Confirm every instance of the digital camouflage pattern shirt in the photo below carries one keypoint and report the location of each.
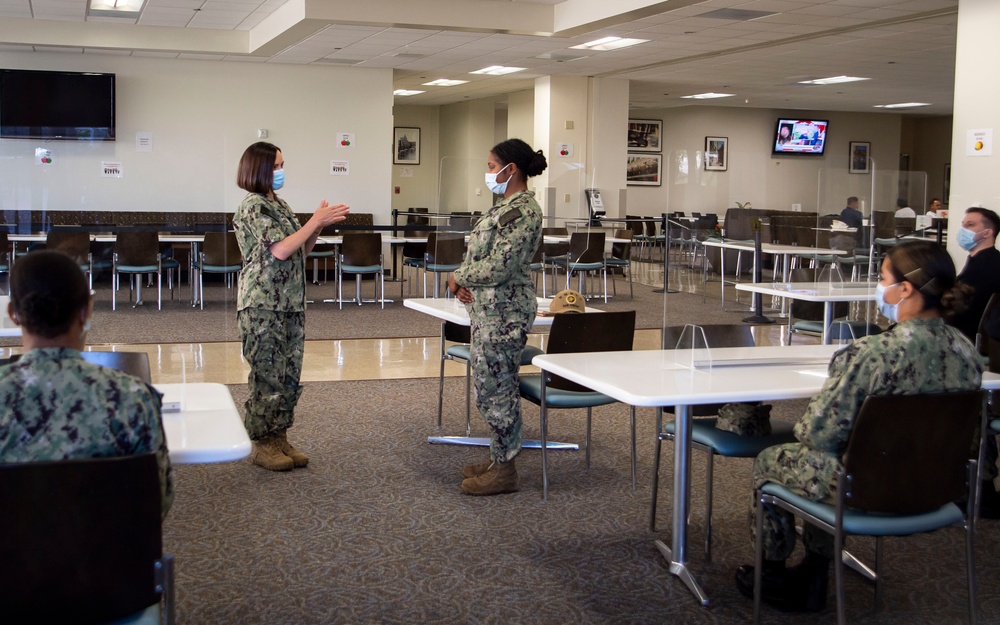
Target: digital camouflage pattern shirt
(266, 281)
(54, 405)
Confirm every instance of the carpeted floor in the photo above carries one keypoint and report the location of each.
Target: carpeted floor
(375, 530)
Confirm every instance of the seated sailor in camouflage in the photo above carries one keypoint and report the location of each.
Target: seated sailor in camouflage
(271, 302)
(495, 285)
(920, 354)
(54, 405)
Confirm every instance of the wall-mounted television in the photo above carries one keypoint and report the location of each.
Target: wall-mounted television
(57, 105)
(800, 136)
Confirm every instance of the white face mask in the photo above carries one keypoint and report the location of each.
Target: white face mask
(889, 311)
(497, 187)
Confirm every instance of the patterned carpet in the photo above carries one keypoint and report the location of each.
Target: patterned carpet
(375, 530)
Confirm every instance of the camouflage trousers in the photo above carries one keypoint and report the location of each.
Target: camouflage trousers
(497, 342)
(805, 472)
(272, 346)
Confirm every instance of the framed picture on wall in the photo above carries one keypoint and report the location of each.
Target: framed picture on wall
(716, 153)
(405, 146)
(645, 135)
(643, 170)
(859, 153)
(947, 183)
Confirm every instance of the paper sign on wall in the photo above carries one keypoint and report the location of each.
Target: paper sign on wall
(43, 156)
(340, 168)
(143, 142)
(979, 142)
(111, 169)
(564, 149)
(345, 139)
(405, 172)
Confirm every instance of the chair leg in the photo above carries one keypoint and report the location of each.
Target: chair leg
(710, 460)
(656, 469)
(357, 288)
(589, 423)
(838, 574)
(340, 289)
(159, 290)
(441, 378)
(543, 421)
(631, 415)
(970, 530)
(878, 573)
(758, 555)
(468, 397)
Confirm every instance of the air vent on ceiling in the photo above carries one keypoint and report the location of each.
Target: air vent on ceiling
(737, 15)
(339, 61)
(408, 57)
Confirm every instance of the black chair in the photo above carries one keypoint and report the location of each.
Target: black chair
(704, 435)
(361, 254)
(621, 260)
(82, 542)
(894, 485)
(76, 245)
(445, 253)
(586, 255)
(413, 251)
(137, 254)
(132, 363)
(577, 333)
(220, 253)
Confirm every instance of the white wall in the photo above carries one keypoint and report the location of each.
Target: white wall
(467, 132)
(754, 175)
(202, 115)
(521, 116)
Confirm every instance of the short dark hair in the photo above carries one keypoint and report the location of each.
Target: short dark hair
(901, 202)
(47, 290)
(928, 267)
(256, 170)
(852, 199)
(991, 218)
(934, 199)
(520, 153)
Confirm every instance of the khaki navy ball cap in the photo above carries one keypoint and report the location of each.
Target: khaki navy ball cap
(567, 301)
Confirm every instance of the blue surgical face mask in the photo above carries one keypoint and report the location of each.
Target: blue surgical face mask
(889, 311)
(497, 187)
(967, 239)
(279, 179)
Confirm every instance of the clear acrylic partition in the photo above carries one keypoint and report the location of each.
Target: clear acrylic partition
(102, 189)
(695, 352)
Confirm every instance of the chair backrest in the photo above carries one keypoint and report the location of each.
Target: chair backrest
(137, 248)
(908, 453)
(76, 245)
(445, 248)
(457, 333)
(717, 335)
(985, 321)
(622, 251)
(461, 220)
(417, 220)
(650, 228)
(80, 538)
(635, 226)
(221, 248)
(555, 231)
(587, 247)
(885, 224)
(361, 249)
(132, 363)
(905, 225)
(588, 332)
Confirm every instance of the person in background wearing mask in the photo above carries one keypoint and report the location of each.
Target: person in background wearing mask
(271, 301)
(919, 354)
(494, 282)
(54, 405)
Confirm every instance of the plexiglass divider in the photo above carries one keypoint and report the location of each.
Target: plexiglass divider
(695, 352)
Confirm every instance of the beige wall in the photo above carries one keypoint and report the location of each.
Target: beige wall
(420, 189)
(202, 115)
(521, 116)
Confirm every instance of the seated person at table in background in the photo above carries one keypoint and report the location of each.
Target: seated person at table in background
(919, 354)
(934, 207)
(54, 405)
(902, 210)
(851, 215)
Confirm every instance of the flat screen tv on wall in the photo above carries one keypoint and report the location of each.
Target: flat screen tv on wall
(57, 105)
(800, 136)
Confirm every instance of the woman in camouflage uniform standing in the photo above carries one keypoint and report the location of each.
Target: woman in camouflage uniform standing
(495, 285)
(271, 301)
(918, 354)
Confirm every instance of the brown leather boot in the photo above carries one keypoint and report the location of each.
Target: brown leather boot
(500, 477)
(266, 453)
(299, 459)
(473, 470)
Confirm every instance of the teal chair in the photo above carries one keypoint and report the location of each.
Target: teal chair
(220, 253)
(360, 255)
(586, 255)
(621, 260)
(893, 485)
(444, 254)
(577, 333)
(82, 543)
(136, 255)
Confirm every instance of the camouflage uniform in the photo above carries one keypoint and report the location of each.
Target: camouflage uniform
(57, 406)
(916, 356)
(497, 270)
(271, 307)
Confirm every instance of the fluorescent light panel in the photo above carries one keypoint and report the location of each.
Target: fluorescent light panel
(609, 43)
(707, 96)
(444, 82)
(498, 70)
(833, 80)
(115, 8)
(902, 105)
(405, 92)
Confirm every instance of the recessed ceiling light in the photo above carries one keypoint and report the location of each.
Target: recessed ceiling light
(498, 70)
(444, 82)
(130, 9)
(403, 92)
(707, 96)
(833, 80)
(902, 105)
(609, 43)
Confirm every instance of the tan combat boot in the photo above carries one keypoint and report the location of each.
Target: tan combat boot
(473, 470)
(299, 459)
(266, 453)
(501, 477)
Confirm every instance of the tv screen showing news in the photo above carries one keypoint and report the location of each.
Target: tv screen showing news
(800, 136)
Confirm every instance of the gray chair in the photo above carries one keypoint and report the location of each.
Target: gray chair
(621, 260)
(413, 251)
(137, 254)
(893, 485)
(132, 363)
(360, 255)
(586, 255)
(220, 253)
(577, 333)
(445, 253)
(705, 436)
(82, 542)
